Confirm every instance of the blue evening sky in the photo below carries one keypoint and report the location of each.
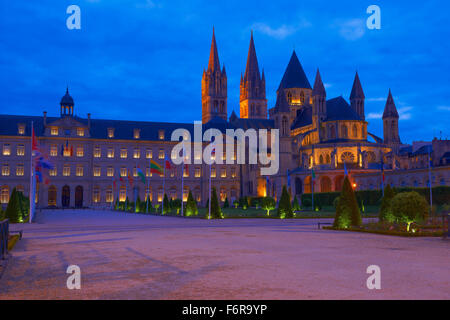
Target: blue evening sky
(143, 59)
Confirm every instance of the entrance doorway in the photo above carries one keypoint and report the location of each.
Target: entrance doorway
(65, 198)
(79, 197)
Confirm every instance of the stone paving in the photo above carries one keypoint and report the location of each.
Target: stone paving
(131, 256)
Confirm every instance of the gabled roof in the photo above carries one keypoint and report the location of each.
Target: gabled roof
(294, 76)
(390, 111)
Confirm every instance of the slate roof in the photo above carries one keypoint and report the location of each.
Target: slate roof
(67, 100)
(294, 76)
(337, 109)
(423, 150)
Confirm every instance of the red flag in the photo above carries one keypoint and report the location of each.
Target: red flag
(167, 162)
(186, 167)
(34, 144)
(121, 179)
(71, 151)
(130, 178)
(114, 183)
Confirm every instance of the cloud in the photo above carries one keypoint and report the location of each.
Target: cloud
(327, 85)
(374, 115)
(352, 29)
(404, 113)
(147, 4)
(376, 99)
(281, 32)
(445, 108)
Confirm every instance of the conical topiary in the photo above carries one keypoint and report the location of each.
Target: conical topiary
(347, 211)
(216, 213)
(191, 206)
(386, 203)
(13, 212)
(226, 204)
(284, 206)
(166, 204)
(295, 204)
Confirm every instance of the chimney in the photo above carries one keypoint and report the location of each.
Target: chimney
(45, 118)
(89, 121)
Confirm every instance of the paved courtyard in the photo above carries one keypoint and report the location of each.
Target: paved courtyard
(128, 256)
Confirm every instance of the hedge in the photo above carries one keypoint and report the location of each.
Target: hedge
(441, 196)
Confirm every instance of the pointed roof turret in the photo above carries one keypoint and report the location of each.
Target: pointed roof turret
(357, 91)
(281, 105)
(233, 116)
(294, 76)
(67, 100)
(390, 111)
(318, 89)
(252, 69)
(213, 63)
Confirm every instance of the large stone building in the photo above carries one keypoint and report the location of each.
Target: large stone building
(93, 157)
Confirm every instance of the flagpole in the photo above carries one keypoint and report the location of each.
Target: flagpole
(182, 181)
(209, 197)
(429, 179)
(32, 176)
(164, 187)
(312, 189)
(147, 192)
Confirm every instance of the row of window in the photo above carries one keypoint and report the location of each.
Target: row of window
(7, 150)
(55, 131)
(123, 172)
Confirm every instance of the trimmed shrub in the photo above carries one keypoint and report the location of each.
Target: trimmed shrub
(335, 202)
(2, 215)
(235, 204)
(216, 213)
(295, 205)
(409, 207)
(347, 211)
(268, 203)
(191, 206)
(284, 206)
(166, 204)
(176, 205)
(385, 207)
(13, 212)
(226, 204)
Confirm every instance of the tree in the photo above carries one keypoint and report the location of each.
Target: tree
(138, 204)
(166, 204)
(127, 204)
(176, 204)
(347, 211)
(116, 206)
(268, 203)
(226, 204)
(2, 215)
(235, 204)
(409, 207)
(284, 206)
(216, 213)
(295, 205)
(13, 212)
(191, 206)
(385, 207)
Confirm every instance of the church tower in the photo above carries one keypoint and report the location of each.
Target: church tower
(319, 111)
(253, 102)
(390, 123)
(214, 87)
(357, 97)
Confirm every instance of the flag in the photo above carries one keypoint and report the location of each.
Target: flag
(130, 178)
(186, 167)
(34, 143)
(167, 162)
(288, 178)
(71, 150)
(345, 169)
(62, 150)
(141, 174)
(313, 174)
(382, 168)
(155, 168)
(114, 184)
(121, 180)
(38, 176)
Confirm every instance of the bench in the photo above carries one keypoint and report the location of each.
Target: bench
(323, 223)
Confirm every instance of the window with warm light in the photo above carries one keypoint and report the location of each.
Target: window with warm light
(136, 153)
(20, 150)
(109, 195)
(21, 129)
(97, 171)
(123, 153)
(79, 171)
(80, 151)
(66, 152)
(53, 150)
(110, 132)
(172, 173)
(135, 172)
(4, 196)
(213, 172)
(198, 173)
(80, 132)
(110, 153)
(123, 194)
(123, 172)
(5, 170)
(6, 149)
(97, 152)
(96, 195)
(137, 133)
(147, 172)
(223, 173)
(233, 172)
(161, 154)
(161, 134)
(186, 173)
(19, 170)
(110, 172)
(149, 153)
(66, 171)
(52, 172)
(54, 131)
(148, 194)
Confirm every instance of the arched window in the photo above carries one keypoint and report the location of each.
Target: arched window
(347, 157)
(332, 132)
(325, 184)
(284, 126)
(321, 159)
(51, 196)
(355, 131)
(216, 106)
(4, 196)
(344, 132)
(371, 157)
(289, 97)
(302, 97)
(327, 158)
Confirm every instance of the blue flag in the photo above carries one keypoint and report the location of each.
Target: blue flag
(288, 178)
(345, 170)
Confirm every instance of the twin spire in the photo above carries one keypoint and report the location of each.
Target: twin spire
(319, 88)
(390, 111)
(252, 69)
(357, 91)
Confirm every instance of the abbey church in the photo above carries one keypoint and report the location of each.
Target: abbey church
(97, 161)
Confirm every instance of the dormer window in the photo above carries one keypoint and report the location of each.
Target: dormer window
(161, 134)
(110, 132)
(54, 131)
(80, 132)
(21, 129)
(137, 133)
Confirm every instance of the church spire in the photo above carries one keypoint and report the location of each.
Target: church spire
(390, 123)
(390, 110)
(318, 89)
(357, 97)
(213, 63)
(252, 69)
